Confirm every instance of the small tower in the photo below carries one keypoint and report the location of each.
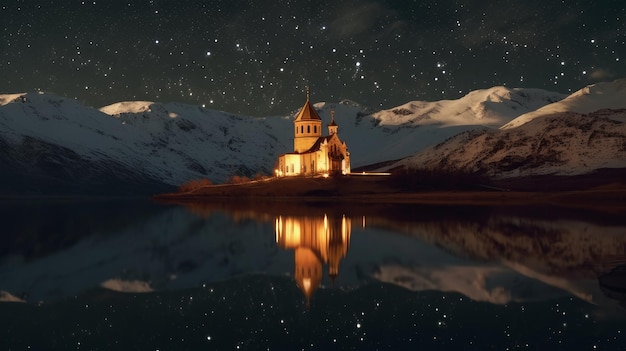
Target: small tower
(308, 127)
(332, 126)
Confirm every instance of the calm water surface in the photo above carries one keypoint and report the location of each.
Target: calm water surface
(135, 275)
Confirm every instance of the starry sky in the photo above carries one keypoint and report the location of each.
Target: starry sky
(256, 57)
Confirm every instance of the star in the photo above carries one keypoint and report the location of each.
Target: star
(224, 52)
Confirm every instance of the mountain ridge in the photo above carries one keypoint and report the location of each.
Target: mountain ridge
(580, 134)
(170, 143)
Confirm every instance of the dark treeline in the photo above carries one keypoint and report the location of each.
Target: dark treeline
(411, 179)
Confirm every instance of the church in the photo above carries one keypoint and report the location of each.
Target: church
(314, 154)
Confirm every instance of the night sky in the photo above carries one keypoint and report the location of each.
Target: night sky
(256, 57)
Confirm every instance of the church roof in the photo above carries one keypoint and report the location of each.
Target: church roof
(319, 142)
(307, 112)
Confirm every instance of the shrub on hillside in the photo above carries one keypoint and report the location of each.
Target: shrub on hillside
(235, 179)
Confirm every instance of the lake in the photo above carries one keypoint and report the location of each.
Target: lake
(138, 275)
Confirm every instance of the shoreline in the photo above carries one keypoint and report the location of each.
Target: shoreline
(376, 190)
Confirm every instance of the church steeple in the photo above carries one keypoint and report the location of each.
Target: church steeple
(308, 127)
(332, 126)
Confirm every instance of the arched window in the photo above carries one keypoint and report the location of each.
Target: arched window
(301, 129)
(308, 129)
(314, 129)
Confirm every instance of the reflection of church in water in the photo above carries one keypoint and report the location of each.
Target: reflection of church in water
(317, 241)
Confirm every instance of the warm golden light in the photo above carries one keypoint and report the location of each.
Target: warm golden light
(317, 241)
(314, 154)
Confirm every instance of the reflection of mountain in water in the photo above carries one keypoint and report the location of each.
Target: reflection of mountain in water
(315, 240)
(565, 248)
(566, 254)
(495, 255)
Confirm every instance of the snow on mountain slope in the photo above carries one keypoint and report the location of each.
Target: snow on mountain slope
(127, 107)
(565, 143)
(489, 107)
(199, 142)
(161, 143)
(391, 134)
(52, 143)
(609, 95)
(8, 98)
(51, 139)
(584, 132)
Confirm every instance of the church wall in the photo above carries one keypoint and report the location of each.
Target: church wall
(345, 167)
(289, 165)
(315, 163)
(310, 163)
(338, 156)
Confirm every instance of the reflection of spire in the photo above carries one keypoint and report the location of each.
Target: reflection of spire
(308, 271)
(316, 240)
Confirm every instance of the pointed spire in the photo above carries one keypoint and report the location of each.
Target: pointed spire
(332, 126)
(307, 112)
(333, 277)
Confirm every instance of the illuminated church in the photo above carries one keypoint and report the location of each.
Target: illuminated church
(313, 153)
(316, 241)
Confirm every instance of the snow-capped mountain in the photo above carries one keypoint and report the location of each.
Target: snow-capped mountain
(53, 144)
(584, 132)
(600, 96)
(56, 142)
(488, 107)
(184, 142)
(404, 130)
